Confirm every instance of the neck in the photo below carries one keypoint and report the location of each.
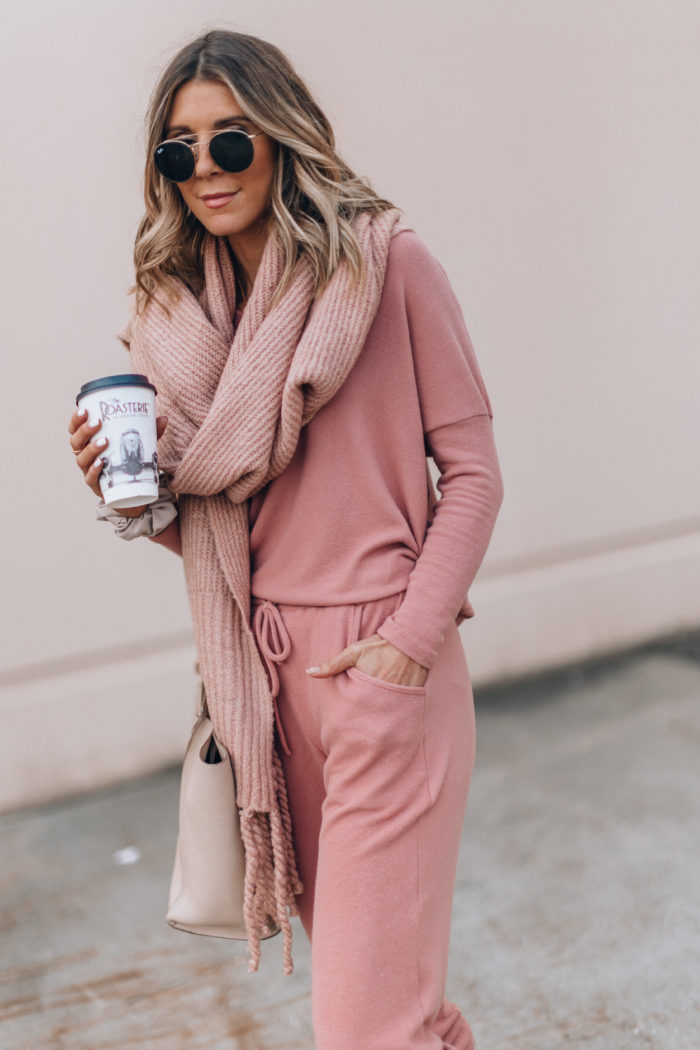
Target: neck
(247, 249)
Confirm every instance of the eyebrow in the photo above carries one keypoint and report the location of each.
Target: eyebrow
(223, 123)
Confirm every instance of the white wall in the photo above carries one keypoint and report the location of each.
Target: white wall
(546, 152)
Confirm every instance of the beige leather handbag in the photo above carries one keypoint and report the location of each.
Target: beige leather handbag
(206, 889)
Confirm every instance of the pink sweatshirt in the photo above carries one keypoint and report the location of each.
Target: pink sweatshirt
(354, 516)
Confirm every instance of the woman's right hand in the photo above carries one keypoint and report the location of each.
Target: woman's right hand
(87, 451)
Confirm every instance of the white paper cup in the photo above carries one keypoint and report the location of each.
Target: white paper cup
(125, 404)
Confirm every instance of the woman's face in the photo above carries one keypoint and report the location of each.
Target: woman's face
(227, 204)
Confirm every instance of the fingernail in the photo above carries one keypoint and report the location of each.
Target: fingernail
(80, 411)
(97, 462)
(312, 670)
(101, 442)
(93, 422)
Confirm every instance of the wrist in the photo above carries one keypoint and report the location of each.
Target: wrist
(132, 512)
(149, 520)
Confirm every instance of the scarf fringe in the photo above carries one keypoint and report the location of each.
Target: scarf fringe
(271, 876)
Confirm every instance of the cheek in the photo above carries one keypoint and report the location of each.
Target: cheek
(187, 195)
(261, 172)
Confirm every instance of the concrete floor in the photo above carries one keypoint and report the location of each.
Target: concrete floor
(577, 910)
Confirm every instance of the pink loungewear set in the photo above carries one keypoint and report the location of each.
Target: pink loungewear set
(350, 540)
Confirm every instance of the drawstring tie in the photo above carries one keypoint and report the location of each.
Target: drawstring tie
(273, 638)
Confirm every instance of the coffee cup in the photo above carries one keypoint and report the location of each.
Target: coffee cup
(125, 405)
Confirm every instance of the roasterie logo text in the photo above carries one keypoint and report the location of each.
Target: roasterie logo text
(116, 408)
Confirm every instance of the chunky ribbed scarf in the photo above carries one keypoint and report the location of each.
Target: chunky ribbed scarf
(235, 408)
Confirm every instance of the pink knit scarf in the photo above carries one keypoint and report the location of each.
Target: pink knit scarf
(235, 408)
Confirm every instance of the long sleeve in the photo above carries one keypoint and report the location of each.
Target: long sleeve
(471, 491)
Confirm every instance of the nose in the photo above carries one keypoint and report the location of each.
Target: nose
(204, 162)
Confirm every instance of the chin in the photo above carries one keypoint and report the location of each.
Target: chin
(218, 223)
(228, 226)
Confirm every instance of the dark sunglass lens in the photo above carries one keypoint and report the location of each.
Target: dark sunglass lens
(232, 150)
(175, 161)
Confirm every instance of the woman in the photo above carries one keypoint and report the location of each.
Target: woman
(308, 353)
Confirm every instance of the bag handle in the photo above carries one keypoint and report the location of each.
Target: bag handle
(202, 706)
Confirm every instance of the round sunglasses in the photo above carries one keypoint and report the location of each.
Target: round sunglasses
(231, 150)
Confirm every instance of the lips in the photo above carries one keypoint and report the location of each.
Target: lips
(217, 200)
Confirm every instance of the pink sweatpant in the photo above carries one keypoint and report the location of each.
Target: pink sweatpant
(377, 776)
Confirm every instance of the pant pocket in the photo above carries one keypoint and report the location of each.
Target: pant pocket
(367, 618)
(394, 687)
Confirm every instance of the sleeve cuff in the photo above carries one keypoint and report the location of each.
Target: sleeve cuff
(422, 654)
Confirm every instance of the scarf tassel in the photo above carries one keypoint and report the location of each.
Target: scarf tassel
(271, 876)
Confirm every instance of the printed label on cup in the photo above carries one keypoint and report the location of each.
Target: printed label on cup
(125, 405)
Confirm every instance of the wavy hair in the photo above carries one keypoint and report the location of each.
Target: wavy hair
(314, 194)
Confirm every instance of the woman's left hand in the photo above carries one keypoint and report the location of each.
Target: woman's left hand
(377, 658)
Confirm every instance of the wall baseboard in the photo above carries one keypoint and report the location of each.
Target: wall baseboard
(533, 621)
(67, 733)
(64, 734)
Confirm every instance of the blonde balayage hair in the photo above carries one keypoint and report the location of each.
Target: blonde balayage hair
(314, 194)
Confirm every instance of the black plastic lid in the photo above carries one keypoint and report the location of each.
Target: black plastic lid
(130, 379)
